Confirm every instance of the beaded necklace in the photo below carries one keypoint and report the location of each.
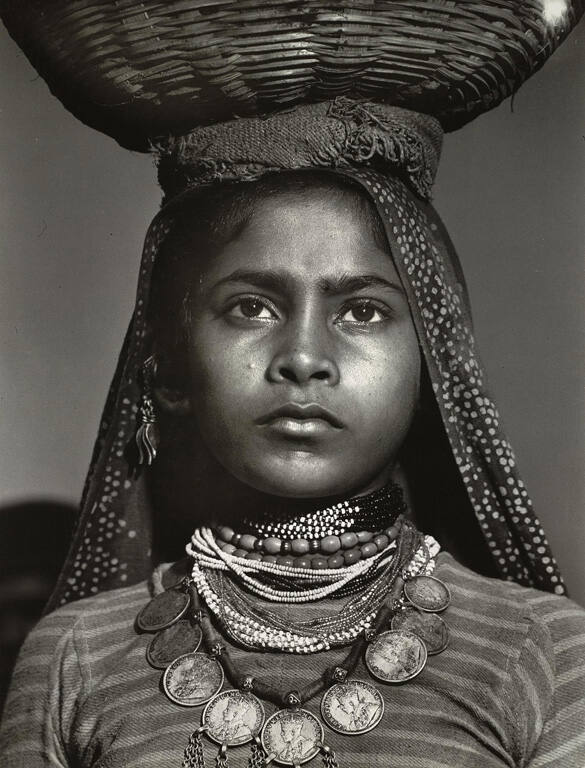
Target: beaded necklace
(322, 582)
(293, 735)
(331, 551)
(367, 513)
(255, 627)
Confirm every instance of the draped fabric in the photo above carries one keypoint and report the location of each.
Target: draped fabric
(113, 545)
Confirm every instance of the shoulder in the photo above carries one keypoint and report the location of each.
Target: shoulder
(508, 599)
(101, 605)
(524, 619)
(95, 617)
(80, 641)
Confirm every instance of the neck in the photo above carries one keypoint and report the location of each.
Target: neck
(240, 502)
(186, 495)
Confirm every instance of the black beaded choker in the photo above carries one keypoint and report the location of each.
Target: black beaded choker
(373, 512)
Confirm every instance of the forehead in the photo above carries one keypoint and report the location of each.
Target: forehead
(308, 235)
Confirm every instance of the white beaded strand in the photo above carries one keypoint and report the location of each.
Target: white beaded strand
(204, 549)
(252, 633)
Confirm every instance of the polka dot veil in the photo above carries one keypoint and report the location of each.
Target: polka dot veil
(427, 266)
(113, 544)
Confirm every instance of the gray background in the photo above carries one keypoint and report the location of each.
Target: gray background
(74, 208)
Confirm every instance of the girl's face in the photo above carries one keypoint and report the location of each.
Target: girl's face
(303, 360)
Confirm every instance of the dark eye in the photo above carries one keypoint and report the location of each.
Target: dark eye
(363, 312)
(253, 309)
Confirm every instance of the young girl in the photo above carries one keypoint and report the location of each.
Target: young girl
(300, 406)
(310, 395)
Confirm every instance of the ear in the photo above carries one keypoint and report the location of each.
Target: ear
(171, 400)
(170, 396)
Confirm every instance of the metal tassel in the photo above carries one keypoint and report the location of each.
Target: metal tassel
(147, 436)
(221, 761)
(257, 757)
(194, 752)
(329, 759)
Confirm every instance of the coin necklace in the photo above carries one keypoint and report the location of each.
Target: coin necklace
(231, 718)
(190, 678)
(175, 636)
(394, 656)
(292, 736)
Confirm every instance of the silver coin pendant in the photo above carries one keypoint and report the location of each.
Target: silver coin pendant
(396, 656)
(193, 679)
(163, 610)
(176, 573)
(292, 737)
(431, 629)
(352, 707)
(169, 643)
(233, 717)
(427, 593)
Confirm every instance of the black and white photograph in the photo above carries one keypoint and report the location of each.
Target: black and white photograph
(292, 335)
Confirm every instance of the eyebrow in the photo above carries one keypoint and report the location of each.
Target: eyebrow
(334, 286)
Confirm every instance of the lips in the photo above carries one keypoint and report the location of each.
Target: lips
(302, 417)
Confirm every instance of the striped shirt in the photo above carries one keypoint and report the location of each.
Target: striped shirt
(508, 691)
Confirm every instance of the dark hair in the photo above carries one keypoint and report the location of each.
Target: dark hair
(205, 220)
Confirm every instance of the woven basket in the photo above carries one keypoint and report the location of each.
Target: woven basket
(141, 70)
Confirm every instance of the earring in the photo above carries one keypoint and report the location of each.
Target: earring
(147, 433)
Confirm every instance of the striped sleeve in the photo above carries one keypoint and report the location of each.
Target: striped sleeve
(48, 679)
(528, 692)
(562, 740)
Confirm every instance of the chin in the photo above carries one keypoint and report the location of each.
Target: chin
(301, 476)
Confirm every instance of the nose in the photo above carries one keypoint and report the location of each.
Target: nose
(304, 355)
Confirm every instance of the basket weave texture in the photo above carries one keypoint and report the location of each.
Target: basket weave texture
(141, 70)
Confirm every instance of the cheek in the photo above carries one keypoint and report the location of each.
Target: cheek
(391, 395)
(208, 363)
(222, 378)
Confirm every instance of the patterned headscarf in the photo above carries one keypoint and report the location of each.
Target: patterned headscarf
(392, 154)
